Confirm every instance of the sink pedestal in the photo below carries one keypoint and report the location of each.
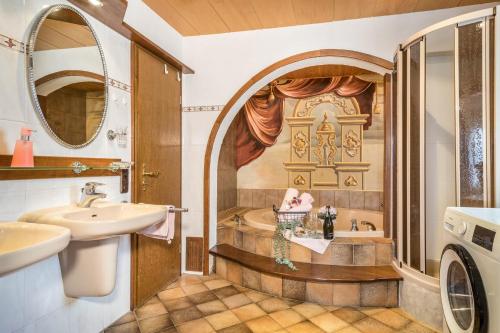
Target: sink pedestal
(89, 267)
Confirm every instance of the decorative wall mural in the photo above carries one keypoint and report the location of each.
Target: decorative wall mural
(351, 143)
(324, 143)
(300, 144)
(326, 167)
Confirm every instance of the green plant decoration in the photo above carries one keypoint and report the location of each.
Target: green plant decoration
(281, 245)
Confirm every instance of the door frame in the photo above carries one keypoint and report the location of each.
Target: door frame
(219, 129)
(134, 186)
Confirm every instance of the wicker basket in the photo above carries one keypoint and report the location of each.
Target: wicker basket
(289, 217)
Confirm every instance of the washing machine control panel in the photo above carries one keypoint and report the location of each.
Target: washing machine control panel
(478, 226)
(483, 237)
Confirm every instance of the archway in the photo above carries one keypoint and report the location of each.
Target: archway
(223, 121)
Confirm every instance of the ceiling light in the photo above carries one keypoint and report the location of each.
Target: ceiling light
(97, 3)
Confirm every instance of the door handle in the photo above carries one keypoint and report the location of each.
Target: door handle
(153, 174)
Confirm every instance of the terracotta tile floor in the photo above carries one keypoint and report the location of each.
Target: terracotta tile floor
(196, 304)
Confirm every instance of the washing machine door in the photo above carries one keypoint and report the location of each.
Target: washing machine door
(462, 292)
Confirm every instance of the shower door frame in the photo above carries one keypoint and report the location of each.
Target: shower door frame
(488, 191)
(484, 15)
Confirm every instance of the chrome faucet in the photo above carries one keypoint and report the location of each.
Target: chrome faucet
(370, 226)
(354, 225)
(89, 194)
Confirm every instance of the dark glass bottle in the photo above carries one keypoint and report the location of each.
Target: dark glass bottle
(328, 225)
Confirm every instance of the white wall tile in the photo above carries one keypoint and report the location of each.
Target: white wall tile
(55, 322)
(12, 301)
(44, 291)
(11, 203)
(32, 299)
(13, 18)
(12, 85)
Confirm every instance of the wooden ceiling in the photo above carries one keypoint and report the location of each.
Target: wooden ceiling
(56, 34)
(202, 17)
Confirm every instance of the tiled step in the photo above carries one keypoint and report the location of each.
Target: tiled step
(324, 284)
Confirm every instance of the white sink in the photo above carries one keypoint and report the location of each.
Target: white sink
(22, 244)
(102, 220)
(88, 264)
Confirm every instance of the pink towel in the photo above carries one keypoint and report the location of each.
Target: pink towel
(163, 230)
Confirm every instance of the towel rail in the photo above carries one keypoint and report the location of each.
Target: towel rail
(182, 210)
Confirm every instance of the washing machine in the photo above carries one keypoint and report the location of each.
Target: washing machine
(470, 270)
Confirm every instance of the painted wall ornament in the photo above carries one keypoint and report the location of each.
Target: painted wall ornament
(300, 144)
(299, 180)
(351, 143)
(331, 98)
(350, 181)
(325, 149)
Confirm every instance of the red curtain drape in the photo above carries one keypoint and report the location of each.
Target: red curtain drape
(260, 120)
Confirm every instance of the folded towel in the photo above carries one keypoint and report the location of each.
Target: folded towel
(289, 195)
(164, 230)
(317, 245)
(306, 198)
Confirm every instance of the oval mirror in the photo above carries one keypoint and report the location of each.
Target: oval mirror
(67, 76)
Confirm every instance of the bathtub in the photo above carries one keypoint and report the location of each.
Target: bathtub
(264, 219)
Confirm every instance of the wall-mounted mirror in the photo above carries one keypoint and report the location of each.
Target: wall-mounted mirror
(67, 76)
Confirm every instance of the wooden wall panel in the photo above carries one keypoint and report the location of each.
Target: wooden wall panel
(227, 171)
(194, 254)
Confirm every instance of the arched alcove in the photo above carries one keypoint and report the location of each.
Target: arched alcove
(225, 118)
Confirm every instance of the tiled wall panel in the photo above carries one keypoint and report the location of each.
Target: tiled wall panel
(33, 299)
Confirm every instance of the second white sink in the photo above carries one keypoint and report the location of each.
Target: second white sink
(22, 244)
(102, 220)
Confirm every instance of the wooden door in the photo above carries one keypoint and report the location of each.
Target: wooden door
(157, 149)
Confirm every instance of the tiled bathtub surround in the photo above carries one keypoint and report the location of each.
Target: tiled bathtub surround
(341, 252)
(209, 304)
(369, 251)
(262, 198)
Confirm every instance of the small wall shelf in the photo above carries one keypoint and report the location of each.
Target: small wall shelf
(62, 167)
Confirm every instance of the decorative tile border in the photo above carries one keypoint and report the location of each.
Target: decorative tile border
(203, 108)
(12, 43)
(20, 47)
(120, 85)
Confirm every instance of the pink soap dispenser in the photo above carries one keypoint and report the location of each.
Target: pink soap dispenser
(23, 151)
